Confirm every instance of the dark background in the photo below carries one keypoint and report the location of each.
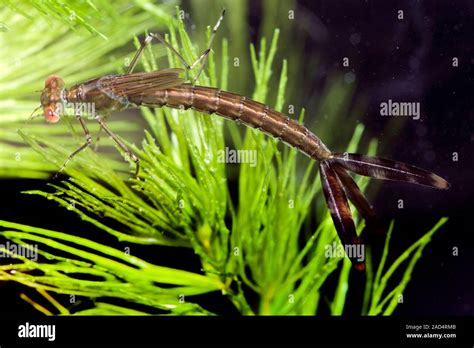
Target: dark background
(410, 60)
(407, 60)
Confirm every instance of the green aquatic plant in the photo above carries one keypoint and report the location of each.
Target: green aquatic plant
(33, 48)
(256, 244)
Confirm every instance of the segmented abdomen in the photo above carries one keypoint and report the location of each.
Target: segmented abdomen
(239, 109)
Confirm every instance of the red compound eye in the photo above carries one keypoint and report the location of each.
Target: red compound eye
(50, 115)
(54, 81)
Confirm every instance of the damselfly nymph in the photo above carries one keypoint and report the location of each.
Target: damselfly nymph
(166, 88)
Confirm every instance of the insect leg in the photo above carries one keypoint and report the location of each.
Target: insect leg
(201, 60)
(124, 147)
(145, 43)
(82, 147)
(205, 54)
